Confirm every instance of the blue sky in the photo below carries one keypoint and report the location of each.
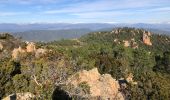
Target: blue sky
(85, 11)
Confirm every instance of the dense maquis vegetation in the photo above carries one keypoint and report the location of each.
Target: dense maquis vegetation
(150, 64)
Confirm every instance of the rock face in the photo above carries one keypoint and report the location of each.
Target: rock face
(20, 96)
(103, 86)
(17, 52)
(146, 38)
(31, 47)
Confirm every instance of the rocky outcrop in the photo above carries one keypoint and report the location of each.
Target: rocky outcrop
(103, 86)
(31, 47)
(17, 52)
(126, 43)
(131, 43)
(146, 38)
(1, 46)
(20, 96)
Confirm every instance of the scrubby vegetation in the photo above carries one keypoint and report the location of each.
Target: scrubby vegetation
(149, 64)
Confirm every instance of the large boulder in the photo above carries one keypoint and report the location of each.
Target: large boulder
(103, 86)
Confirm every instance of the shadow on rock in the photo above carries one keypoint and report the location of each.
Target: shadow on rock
(60, 94)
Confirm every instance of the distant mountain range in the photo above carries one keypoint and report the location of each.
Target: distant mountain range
(56, 31)
(51, 35)
(57, 26)
(4, 27)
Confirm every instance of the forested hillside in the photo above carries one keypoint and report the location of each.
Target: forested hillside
(132, 63)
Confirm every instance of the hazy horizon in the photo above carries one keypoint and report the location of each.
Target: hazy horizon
(25, 23)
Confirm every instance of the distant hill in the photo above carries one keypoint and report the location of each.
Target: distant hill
(51, 35)
(56, 26)
(130, 36)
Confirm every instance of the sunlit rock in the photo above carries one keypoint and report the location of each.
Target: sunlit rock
(103, 86)
(126, 43)
(1, 46)
(146, 38)
(17, 52)
(31, 47)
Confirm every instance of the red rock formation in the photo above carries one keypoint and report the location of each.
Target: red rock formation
(146, 38)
